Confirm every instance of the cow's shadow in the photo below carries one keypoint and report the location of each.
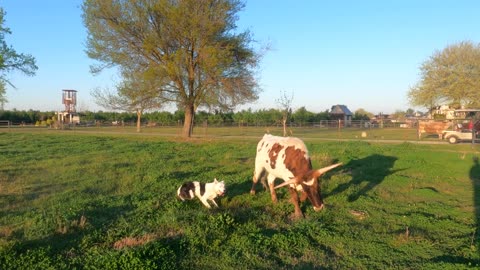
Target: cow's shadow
(240, 188)
(366, 173)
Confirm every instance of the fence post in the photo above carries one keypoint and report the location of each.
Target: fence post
(418, 129)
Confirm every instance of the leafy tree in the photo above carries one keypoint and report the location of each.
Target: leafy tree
(10, 60)
(201, 116)
(164, 118)
(244, 117)
(215, 119)
(322, 116)
(399, 115)
(410, 111)
(450, 76)
(190, 45)
(362, 114)
(268, 117)
(302, 116)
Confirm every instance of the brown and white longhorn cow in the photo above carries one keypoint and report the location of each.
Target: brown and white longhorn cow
(432, 127)
(287, 158)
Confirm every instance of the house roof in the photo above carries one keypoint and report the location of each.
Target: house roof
(340, 109)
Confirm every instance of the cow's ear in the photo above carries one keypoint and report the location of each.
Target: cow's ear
(215, 180)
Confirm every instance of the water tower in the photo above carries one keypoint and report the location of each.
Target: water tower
(69, 99)
(69, 115)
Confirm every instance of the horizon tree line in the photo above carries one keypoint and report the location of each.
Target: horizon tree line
(299, 117)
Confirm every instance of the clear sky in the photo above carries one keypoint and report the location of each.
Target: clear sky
(363, 54)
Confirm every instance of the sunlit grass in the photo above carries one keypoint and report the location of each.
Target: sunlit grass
(74, 200)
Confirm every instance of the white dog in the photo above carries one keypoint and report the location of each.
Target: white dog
(204, 191)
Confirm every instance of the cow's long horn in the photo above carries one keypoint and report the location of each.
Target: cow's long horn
(286, 183)
(328, 168)
(318, 173)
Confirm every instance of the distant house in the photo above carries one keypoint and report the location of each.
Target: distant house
(442, 112)
(382, 117)
(341, 112)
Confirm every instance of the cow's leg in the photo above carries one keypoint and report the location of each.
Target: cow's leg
(257, 174)
(271, 184)
(255, 181)
(303, 196)
(294, 199)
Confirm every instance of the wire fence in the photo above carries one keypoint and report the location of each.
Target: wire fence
(328, 124)
(5, 124)
(224, 127)
(325, 124)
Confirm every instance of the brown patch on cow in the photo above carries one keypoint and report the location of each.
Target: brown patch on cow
(432, 127)
(273, 154)
(133, 241)
(296, 162)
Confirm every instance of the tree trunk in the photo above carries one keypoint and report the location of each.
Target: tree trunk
(139, 118)
(188, 123)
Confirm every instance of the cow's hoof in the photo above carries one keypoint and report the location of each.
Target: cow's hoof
(252, 192)
(318, 208)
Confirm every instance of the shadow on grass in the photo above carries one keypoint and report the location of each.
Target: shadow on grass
(97, 222)
(236, 189)
(475, 178)
(450, 259)
(366, 172)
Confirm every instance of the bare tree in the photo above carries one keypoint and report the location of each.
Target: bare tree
(285, 103)
(133, 95)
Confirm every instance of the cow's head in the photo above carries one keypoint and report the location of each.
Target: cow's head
(309, 185)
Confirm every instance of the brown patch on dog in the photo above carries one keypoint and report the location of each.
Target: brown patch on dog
(133, 241)
(296, 162)
(273, 154)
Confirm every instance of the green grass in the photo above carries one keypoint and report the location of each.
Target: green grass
(70, 200)
(242, 132)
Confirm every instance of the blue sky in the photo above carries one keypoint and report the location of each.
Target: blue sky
(363, 54)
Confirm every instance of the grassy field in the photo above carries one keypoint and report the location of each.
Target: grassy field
(106, 200)
(404, 134)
